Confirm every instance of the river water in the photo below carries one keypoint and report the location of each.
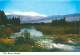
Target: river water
(47, 43)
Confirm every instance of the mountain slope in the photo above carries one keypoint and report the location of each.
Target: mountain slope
(33, 17)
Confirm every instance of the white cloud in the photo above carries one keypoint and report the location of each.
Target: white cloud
(26, 13)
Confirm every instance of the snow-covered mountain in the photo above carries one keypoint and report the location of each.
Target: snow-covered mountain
(26, 13)
(27, 17)
(33, 17)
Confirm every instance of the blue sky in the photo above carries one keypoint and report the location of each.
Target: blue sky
(48, 7)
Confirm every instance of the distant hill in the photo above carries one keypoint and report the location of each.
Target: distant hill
(37, 18)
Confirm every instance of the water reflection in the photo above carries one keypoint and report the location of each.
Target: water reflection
(44, 42)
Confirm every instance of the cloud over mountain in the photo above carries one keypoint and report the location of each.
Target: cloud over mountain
(34, 17)
(26, 13)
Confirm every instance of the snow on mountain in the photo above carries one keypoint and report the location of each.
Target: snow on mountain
(26, 17)
(26, 13)
(33, 17)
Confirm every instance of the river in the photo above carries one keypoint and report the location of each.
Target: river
(47, 43)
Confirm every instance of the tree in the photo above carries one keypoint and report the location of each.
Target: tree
(25, 39)
(78, 26)
(59, 22)
(3, 18)
(14, 21)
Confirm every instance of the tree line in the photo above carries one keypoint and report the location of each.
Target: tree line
(4, 20)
